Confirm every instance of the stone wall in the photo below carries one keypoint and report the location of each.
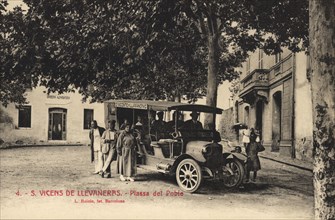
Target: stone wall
(304, 148)
(303, 121)
(287, 111)
(226, 123)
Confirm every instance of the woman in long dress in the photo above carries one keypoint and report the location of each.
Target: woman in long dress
(126, 160)
(253, 163)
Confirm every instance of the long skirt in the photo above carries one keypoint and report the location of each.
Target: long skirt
(253, 163)
(126, 164)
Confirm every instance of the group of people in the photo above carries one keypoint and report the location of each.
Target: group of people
(109, 145)
(160, 128)
(252, 143)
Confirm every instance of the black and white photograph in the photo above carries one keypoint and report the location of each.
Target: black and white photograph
(167, 109)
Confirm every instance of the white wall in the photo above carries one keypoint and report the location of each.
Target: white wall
(303, 109)
(40, 104)
(303, 102)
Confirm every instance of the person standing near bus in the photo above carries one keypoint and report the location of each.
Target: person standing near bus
(245, 136)
(96, 154)
(109, 138)
(126, 159)
(253, 162)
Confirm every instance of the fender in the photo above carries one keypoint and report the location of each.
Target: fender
(193, 148)
(238, 156)
(179, 159)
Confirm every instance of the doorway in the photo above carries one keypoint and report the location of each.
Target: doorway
(259, 116)
(276, 121)
(246, 115)
(57, 124)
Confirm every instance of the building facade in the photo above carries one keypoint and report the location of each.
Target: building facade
(57, 118)
(275, 97)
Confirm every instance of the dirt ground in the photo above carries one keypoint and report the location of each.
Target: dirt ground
(64, 175)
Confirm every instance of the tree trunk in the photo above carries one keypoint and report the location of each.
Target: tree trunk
(212, 85)
(322, 55)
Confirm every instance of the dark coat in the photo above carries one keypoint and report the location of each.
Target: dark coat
(159, 129)
(101, 131)
(171, 125)
(253, 163)
(191, 125)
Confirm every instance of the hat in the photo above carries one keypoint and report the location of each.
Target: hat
(194, 113)
(160, 113)
(112, 121)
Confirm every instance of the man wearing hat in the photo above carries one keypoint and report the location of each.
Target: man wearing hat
(158, 127)
(193, 124)
(176, 117)
(109, 138)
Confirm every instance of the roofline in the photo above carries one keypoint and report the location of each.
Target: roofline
(164, 105)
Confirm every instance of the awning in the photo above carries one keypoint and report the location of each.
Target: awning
(163, 106)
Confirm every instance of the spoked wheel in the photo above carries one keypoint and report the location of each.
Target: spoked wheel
(233, 173)
(188, 175)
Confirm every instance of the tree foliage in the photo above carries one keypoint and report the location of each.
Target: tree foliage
(139, 49)
(14, 55)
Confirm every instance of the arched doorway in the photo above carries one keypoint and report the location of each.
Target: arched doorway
(57, 124)
(246, 115)
(276, 121)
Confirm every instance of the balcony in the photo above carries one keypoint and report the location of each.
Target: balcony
(255, 86)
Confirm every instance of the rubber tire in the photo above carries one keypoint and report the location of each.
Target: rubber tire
(240, 169)
(196, 167)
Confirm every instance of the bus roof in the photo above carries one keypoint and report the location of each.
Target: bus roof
(163, 106)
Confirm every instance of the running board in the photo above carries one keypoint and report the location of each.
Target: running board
(146, 167)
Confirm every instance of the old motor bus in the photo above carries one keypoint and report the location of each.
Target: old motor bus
(192, 155)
